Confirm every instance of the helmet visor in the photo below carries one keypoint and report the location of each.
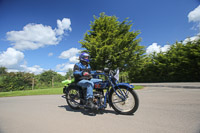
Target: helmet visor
(84, 57)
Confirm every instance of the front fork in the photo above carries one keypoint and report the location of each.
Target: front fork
(121, 93)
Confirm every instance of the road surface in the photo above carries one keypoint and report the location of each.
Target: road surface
(161, 110)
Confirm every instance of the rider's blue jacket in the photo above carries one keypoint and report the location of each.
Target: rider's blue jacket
(79, 69)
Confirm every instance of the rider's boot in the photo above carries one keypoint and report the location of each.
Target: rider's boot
(90, 104)
(81, 102)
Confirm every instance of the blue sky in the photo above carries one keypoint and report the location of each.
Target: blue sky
(38, 35)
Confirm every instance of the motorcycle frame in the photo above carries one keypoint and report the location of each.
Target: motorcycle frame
(116, 85)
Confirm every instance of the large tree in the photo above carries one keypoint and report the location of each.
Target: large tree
(112, 43)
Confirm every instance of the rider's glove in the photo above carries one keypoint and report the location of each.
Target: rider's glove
(86, 74)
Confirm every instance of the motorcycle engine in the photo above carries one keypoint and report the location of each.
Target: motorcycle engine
(98, 96)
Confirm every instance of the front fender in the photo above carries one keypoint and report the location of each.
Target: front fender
(125, 84)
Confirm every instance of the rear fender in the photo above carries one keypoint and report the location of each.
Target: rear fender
(71, 85)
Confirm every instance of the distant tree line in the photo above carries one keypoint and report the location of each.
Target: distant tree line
(26, 81)
(181, 63)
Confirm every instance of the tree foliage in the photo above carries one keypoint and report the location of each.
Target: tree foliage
(69, 74)
(180, 63)
(3, 71)
(111, 43)
(16, 81)
(23, 81)
(48, 78)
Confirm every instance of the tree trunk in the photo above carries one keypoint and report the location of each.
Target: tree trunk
(52, 82)
(33, 83)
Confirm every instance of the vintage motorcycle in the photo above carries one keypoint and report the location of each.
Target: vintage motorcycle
(120, 96)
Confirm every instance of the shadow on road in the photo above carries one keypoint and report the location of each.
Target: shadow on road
(88, 112)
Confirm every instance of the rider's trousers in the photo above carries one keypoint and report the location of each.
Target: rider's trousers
(89, 84)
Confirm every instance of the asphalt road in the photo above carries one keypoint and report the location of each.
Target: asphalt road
(161, 110)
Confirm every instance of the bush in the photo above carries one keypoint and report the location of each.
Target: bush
(16, 81)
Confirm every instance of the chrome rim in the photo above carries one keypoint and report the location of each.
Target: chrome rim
(121, 105)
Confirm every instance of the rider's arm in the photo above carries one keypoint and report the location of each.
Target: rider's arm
(77, 72)
(93, 72)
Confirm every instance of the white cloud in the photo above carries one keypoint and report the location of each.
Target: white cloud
(34, 36)
(74, 59)
(23, 68)
(153, 48)
(64, 67)
(157, 48)
(63, 25)
(192, 39)
(50, 54)
(11, 58)
(12, 70)
(165, 48)
(34, 69)
(14, 61)
(62, 73)
(194, 16)
(69, 53)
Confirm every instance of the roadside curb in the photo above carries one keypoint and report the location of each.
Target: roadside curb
(171, 85)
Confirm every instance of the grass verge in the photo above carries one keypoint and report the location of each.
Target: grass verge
(138, 87)
(52, 91)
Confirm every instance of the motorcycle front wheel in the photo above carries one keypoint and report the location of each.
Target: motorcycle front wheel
(127, 106)
(73, 98)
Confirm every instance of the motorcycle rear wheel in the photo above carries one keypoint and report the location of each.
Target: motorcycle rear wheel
(127, 107)
(73, 98)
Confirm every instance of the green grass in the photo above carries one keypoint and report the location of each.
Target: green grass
(138, 87)
(52, 91)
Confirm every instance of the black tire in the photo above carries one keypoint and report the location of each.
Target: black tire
(119, 106)
(73, 98)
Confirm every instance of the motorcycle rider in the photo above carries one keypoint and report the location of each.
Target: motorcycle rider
(82, 73)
